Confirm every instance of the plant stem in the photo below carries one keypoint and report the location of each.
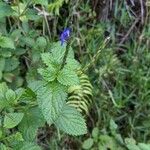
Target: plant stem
(65, 55)
(95, 57)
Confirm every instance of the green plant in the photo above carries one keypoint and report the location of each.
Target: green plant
(48, 94)
(112, 140)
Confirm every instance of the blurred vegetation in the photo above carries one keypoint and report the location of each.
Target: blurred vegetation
(119, 115)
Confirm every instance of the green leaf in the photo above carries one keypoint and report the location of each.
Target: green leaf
(68, 77)
(6, 42)
(14, 138)
(113, 126)
(2, 63)
(71, 121)
(10, 95)
(12, 119)
(9, 77)
(51, 99)
(108, 142)
(72, 64)
(3, 102)
(144, 146)
(5, 10)
(1, 132)
(32, 120)
(48, 74)
(131, 144)
(3, 147)
(5, 54)
(46, 58)
(41, 42)
(87, 144)
(95, 132)
(55, 57)
(42, 2)
(28, 146)
(27, 41)
(11, 64)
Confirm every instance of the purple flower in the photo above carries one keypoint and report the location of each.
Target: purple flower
(65, 35)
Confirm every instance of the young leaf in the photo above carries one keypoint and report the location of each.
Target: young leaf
(71, 121)
(68, 77)
(51, 99)
(12, 119)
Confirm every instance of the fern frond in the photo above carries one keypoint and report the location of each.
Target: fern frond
(80, 96)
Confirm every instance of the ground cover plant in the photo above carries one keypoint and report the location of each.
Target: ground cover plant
(75, 74)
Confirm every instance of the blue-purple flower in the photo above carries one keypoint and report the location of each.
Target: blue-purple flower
(65, 35)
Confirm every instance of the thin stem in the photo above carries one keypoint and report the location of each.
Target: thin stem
(95, 57)
(47, 24)
(65, 55)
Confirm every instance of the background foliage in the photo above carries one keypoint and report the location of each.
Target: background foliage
(118, 114)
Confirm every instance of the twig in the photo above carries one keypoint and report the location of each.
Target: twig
(129, 31)
(142, 11)
(46, 21)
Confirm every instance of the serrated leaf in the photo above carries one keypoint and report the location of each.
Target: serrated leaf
(51, 99)
(71, 122)
(32, 120)
(6, 42)
(12, 119)
(46, 58)
(27, 146)
(57, 52)
(72, 64)
(68, 77)
(87, 144)
(48, 74)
